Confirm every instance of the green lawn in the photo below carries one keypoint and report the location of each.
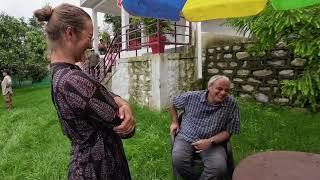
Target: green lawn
(33, 147)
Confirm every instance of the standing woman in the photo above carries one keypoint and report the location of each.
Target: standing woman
(93, 118)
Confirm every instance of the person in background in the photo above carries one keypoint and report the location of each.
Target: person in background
(93, 118)
(102, 47)
(7, 92)
(94, 59)
(210, 118)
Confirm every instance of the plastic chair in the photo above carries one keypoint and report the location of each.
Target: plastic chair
(197, 164)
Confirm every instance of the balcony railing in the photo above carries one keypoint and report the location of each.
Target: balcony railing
(165, 32)
(156, 34)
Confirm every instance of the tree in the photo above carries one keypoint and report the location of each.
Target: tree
(33, 22)
(36, 64)
(22, 48)
(105, 37)
(11, 42)
(115, 21)
(300, 30)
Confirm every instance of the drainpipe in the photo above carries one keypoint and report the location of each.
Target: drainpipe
(95, 30)
(199, 50)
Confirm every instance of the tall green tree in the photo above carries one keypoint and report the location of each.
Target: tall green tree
(36, 63)
(115, 21)
(22, 48)
(12, 40)
(300, 30)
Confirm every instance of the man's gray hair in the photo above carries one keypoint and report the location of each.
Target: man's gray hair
(214, 78)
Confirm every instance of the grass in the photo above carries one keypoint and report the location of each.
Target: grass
(275, 128)
(33, 146)
(28, 83)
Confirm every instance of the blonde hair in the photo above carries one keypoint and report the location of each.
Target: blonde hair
(61, 17)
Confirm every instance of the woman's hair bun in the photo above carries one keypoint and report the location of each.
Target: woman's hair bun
(43, 14)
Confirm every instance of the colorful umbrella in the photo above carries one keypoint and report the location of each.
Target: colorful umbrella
(202, 10)
(159, 9)
(193, 10)
(292, 4)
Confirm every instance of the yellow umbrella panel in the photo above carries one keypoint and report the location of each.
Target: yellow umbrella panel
(202, 10)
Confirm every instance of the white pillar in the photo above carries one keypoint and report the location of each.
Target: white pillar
(143, 34)
(95, 30)
(159, 84)
(124, 22)
(121, 79)
(199, 50)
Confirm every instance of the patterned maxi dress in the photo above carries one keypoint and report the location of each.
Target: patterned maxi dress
(87, 114)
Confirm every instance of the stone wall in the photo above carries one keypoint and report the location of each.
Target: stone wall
(139, 79)
(181, 73)
(253, 76)
(150, 80)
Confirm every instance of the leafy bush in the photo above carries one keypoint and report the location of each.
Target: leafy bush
(300, 30)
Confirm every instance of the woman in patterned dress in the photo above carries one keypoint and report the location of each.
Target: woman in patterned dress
(93, 118)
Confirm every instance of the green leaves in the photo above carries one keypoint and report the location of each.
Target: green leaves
(22, 48)
(305, 88)
(115, 21)
(300, 30)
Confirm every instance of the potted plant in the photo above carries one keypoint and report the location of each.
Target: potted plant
(157, 44)
(134, 38)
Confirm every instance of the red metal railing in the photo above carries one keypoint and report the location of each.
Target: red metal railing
(170, 31)
(105, 65)
(136, 40)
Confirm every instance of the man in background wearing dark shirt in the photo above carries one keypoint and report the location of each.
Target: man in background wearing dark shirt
(94, 63)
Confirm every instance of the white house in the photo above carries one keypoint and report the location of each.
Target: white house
(207, 31)
(203, 33)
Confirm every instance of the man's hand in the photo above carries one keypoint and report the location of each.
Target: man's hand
(174, 128)
(128, 122)
(201, 145)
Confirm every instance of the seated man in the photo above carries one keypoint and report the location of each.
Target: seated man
(210, 118)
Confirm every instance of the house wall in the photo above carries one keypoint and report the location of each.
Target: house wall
(120, 78)
(139, 69)
(217, 27)
(151, 79)
(254, 76)
(181, 73)
(215, 32)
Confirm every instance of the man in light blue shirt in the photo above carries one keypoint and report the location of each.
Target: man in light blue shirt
(210, 118)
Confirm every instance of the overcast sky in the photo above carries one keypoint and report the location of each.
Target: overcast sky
(24, 8)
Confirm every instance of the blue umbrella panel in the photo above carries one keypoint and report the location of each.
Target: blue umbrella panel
(159, 9)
